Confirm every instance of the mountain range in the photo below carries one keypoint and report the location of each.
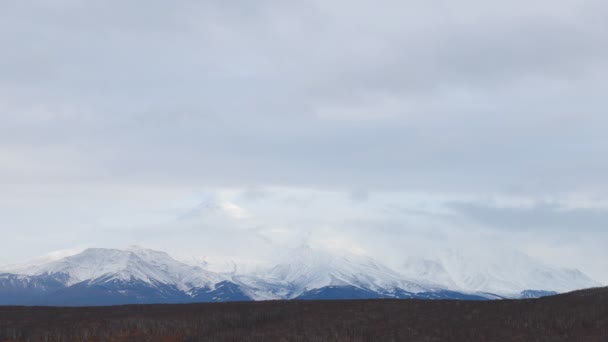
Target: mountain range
(99, 276)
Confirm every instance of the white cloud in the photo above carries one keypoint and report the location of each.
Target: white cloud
(351, 122)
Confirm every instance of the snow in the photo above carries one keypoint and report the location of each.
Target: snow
(304, 268)
(132, 263)
(501, 272)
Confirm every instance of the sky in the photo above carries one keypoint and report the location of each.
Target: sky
(233, 128)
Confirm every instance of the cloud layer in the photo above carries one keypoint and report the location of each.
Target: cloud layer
(119, 117)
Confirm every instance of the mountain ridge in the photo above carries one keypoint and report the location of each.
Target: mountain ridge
(100, 276)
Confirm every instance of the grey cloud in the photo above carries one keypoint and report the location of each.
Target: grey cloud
(465, 99)
(359, 195)
(254, 194)
(427, 96)
(538, 217)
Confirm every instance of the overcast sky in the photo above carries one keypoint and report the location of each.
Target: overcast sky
(377, 127)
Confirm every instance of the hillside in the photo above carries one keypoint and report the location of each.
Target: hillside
(576, 316)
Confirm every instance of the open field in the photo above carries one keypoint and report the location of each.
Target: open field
(577, 316)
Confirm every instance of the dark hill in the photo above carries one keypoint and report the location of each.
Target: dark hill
(576, 316)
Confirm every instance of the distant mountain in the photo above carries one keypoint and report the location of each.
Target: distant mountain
(507, 274)
(352, 292)
(339, 292)
(29, 290)
(305, 268)
(100, 265)
(100, 276)
(536, 294)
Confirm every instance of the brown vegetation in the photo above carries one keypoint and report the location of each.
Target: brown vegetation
(578, 316)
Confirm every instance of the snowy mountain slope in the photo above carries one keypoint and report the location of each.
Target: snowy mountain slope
(100, 276)
(305, 268)
(102, 265)
(257, 288)
(505, 273)
(27, 290)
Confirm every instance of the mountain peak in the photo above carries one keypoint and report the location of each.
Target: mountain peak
(134, 262)
(306, 268)
(298, 272)
(502, 272)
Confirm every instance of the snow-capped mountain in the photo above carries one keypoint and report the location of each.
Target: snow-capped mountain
(109, 276)
(503, 273)
(100, 276)
(305, 268)
(149, 266)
